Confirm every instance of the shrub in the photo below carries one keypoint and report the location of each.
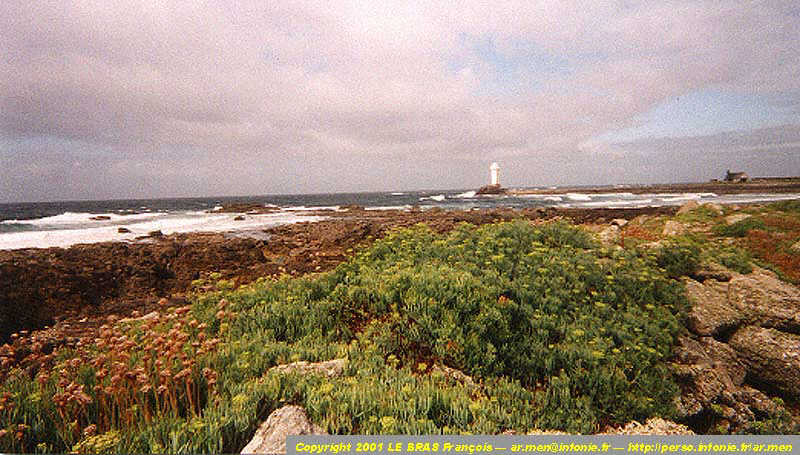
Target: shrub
(740, 228)
(679, 259)
(734, 258)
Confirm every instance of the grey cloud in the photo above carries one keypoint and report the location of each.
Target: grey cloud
(273, 97)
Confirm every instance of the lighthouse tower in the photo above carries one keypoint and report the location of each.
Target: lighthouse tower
(494, 170)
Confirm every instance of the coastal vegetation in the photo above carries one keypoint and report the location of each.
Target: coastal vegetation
(547, 328)
(557, 332)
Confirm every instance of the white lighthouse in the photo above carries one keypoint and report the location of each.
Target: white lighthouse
(494, 170)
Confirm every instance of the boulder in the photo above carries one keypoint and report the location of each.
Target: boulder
(758, 298)
(711, 312)
(770, 356)
(712, 271)
(286, 421)
(672, 228)
(619, 222)
(330, 368)
(714, 207)
(766, 300)
(732, 219)
(609, 235)
(239, 218)
(123, 230)
(155, 234)
(688, 207)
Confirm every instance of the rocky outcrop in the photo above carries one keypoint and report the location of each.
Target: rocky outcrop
(286, 421)
(673, 228)
(491, 189)
(770, 356)
(711, 311)
(330, 368)
(743, 348)
(688, 207)
(758, 298)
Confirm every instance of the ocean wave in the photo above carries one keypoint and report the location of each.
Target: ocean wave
(437, 198)
(178, 223)
(77, 218)
(466, 195)
(578, 197)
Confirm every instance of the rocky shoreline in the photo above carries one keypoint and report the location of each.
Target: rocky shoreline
(40, 286)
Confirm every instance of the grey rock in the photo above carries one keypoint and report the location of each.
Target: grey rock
(688, 207)
(619, 222)
(286, 421)
(672, 228)
(711, 312)
(714, 207)
(770, 356)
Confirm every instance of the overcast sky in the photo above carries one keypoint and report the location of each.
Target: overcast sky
(123, 99)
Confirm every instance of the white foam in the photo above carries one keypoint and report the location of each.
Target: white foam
(397, 194)
(616, 203)
(578, 197)
(466, 195)
(179, 223)
(438, 198)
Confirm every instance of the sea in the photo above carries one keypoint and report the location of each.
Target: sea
(62, 224)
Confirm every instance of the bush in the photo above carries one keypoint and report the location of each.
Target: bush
(734, 258)
(740, 228)
(679, 259)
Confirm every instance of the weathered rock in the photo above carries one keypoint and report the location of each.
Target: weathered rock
(330, 368)
(155, 234)
(653, 426)
(640, 220)
(609, 235)
(758, 298)
(795, 247)
(712, 271)
(688, 207)
(619, 222)
(286, 421)
(712, 381)
(491, 189)
(770, 356)
(239, 218)
(714, 207)
(766, 300)
(672, 228)
(732, 219)
(123, 230)
(711, 312)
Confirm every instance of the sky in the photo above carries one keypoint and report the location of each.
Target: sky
(103, 99)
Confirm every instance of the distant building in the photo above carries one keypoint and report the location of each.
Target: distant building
(737, 177)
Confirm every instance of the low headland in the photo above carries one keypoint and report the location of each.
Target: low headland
(411, 322)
